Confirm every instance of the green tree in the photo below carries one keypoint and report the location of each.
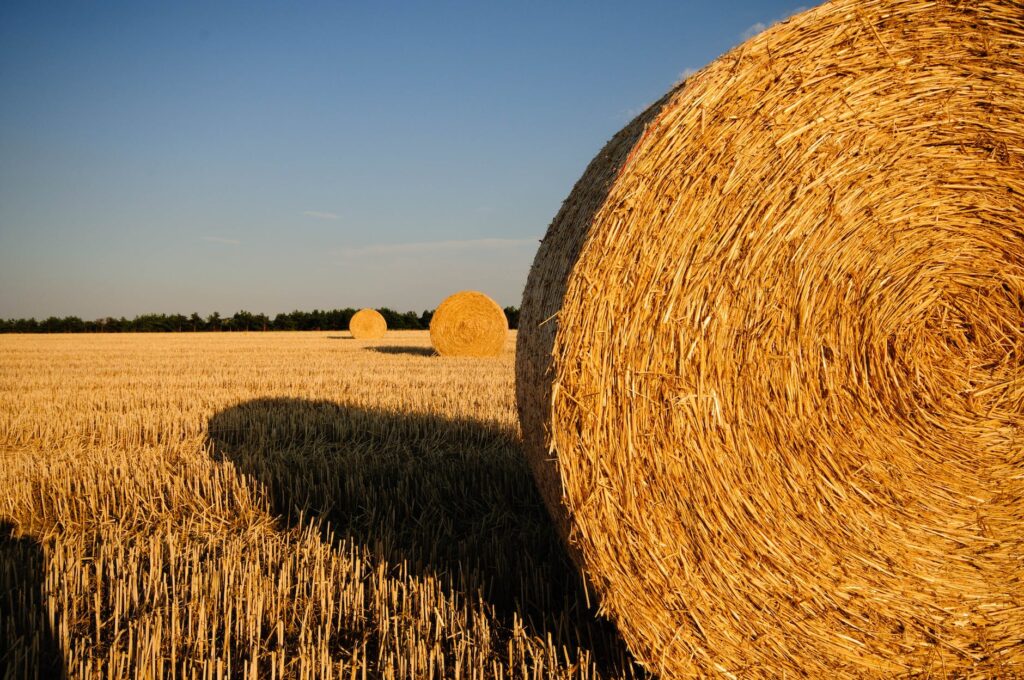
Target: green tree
(512, 314)
(242, 320)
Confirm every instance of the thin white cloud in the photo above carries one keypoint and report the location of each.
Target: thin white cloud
(218, 239)
(417, 248)
(753, 30)
(631, 113)
(687, 72)
(321, 215)
(760, 26)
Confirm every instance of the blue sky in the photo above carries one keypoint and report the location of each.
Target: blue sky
(180, 157)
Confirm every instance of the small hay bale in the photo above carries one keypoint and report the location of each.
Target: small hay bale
(468, 324)
(367, 324)
(770, 365)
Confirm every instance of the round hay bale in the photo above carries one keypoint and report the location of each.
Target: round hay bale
(770, 365)
(367, 324)
(468, 324)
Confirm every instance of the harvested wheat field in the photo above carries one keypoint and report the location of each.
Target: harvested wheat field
(276, 505)
(771, 354)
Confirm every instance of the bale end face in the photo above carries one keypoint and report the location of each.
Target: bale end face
(468, 324)
(367, 324)
(769, 363)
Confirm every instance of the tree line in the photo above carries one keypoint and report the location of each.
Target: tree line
(317, 320)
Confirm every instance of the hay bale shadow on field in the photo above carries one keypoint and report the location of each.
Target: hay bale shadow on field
(28, 647)
(452, 498)
(401, 349)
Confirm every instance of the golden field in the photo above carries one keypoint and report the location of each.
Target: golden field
(277, 505)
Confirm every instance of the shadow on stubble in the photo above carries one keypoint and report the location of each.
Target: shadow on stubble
(28, 646)
(451, 498)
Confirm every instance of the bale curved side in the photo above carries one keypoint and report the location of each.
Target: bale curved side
(542, 298)
(468, 324)
(367, 324)
(781, 415)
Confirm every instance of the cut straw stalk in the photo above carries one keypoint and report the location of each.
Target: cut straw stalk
(769, 366)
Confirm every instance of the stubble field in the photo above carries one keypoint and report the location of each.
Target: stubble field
(276, 505)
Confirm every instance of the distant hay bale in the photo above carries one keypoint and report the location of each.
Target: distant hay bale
(367, 324)
(468, 324)
(770, 365)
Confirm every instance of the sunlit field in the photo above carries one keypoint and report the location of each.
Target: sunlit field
(276, 505)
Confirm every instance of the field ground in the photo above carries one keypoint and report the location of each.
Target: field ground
(276, 505)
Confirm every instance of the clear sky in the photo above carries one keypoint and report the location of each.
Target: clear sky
(179, 157)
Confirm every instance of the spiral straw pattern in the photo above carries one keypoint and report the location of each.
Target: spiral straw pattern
(770, 365)
(468, 324)
(367, 324)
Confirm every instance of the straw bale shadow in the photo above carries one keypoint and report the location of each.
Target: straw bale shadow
(401, 349)
(28, 646)
(451, 498)
(340, 337)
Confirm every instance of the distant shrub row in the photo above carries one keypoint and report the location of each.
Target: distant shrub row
(322, 320)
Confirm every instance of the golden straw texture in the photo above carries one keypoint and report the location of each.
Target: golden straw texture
(367, 324)
(468, 324)
(770, 365)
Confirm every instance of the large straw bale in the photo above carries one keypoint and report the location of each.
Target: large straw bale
(367, 324)
(468, 324)
(770, 365)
